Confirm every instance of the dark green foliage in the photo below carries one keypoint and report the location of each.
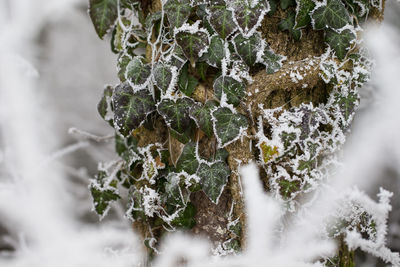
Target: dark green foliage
(137, 72)
(340, 42)
(228, 125)
(192, 44)
(130, 109)
(176, 113)
(216, 52)
(287, 3)
(103, 14)
(234, 90)
(104, 106)
(247, 17)
(288, 25)
(177, 11)
(247, 48)
(201, 114)
(162, 76)
(304, 7)
(221, 20)
(213, 178)
(188, 161)
(332, 15)
(187, 82)
(185, 218)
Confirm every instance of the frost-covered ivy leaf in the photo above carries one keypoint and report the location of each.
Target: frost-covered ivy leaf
(162, 76)
(287, 3)
(103, 14)
(216, 51)
(248, 18)
(192, 44)
(104, 107)
(176, 114)
(272, 61)
(332, 15)
(213, 179)
(130, 109)
(188, 161)
(173, 192)
(247, 48)
(178, 11)
(288, 25)
(340, 42)
(186, 82)
(185, 218)
(201, 69)
(177, 58)
(222, 154)
(151, 19)
(138, 73)
(201, 12)
(303, 9)
(347, 105)
(102, 197)
(123, 61)
(228, 126)
(201, 114)
(234, 90)
(221, 20)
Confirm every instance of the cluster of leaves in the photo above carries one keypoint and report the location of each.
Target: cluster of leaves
(337, 18)
(164, 54)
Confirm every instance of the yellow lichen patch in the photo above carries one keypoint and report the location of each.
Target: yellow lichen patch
(268, 152)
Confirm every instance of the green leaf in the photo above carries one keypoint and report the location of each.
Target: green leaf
(347, 105)
(247, 48)
(287, 3)
(104, 106)
(216, 51)
(188, 161)
(177, 58)
(272, 61)
(304, 7)
(162, 76)
(123, 61)
(247, 18)
(288, 25)
(222, 154)
(192, 44)
(332, 15)
(234, 90)
(201, 68)
(221, 20)
(151, 19)
(103, 14)
(213, 179)
(138, 73)
(187, 83)
(340, 42)
(102, 197)
(228, 126)
(178, 11)
(185, 219)
(201, 12)
(130, 109)
(176, 114)
(173, 192)
(201, 114)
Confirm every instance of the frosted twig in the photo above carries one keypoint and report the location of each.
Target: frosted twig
(90, 136)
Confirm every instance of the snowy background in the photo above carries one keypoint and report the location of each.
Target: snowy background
(53, 69)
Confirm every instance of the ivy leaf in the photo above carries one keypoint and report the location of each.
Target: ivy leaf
(303, 9)
(188, 161)
(248, 18)
(347, 105)
(192, 44)
(221, 20)
(201, 12)
(213, 179)
(187, 83)
(288, 25)
(332, 15)
(185, 218)
(222, 154)
(272, 61)
(247, 48)
(177, 58)
(103, 14)
(104, 106)
(173, 192)
(201, 69)
(216, 51)
(340, 42)
(176, 114)
(162, 76)
(102, 197)
(233, 89)
(228, 126)
(287, 3)
(151, 19)
(123, 61)
(138, 73)
(202, 116)
(178, 11)
(130, 109)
